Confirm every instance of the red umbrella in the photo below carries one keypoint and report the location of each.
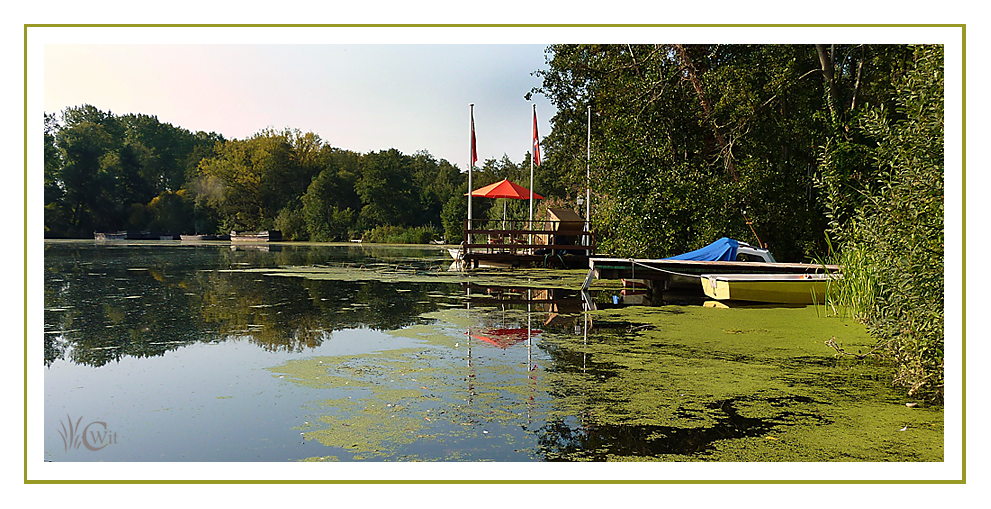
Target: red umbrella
(505, 189)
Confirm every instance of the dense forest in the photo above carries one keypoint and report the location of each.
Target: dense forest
(822, 152)
(107, 172)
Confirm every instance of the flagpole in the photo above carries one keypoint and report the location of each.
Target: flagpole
(588, 181)
(471, 163)
(533, 155)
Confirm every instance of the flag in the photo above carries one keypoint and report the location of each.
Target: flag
(474, 153)
(536, 141)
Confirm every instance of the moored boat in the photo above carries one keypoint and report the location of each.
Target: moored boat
(771, 288)
(199, 237)
(109, 235)
(263, 236)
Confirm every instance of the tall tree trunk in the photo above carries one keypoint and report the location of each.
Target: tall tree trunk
(828, 74)
(725, 151)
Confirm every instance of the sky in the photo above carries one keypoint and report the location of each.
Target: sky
(360, 97)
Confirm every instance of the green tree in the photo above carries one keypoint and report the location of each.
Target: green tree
(689, 138)
(329, 205)
(386, 189)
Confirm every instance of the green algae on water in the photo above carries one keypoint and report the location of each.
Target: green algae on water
(639, 384)
(735, 385)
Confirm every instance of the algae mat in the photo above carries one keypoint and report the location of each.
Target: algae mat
(628, 384)
(416, 273)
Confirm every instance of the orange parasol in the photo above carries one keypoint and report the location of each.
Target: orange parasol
(505, 189)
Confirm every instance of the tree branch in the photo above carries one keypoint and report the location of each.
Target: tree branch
(725, 149)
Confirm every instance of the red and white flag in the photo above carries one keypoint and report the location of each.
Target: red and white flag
(474, 153)
(536, 140)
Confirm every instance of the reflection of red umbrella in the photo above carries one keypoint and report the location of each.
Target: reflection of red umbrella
(504, 338)
(505, 189)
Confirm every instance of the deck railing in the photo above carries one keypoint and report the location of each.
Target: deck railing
(525, 237)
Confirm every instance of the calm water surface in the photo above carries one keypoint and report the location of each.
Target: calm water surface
(161, 351)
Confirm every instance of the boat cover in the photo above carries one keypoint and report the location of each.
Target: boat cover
(723, 249)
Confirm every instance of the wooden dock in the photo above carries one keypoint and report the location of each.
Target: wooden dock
(663, 274)
(521, 243)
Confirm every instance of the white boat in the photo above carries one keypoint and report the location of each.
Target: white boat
(263, 236)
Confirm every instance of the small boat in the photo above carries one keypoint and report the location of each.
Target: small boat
(199, 237)
(772, 288)
(263, 236)
(109, 235)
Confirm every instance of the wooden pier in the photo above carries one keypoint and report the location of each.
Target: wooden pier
(563, 241)
(663, 274)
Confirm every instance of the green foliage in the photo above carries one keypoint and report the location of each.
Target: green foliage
(400, 235)
(892, 246)
(662, 182)
(291, 221)
(108, 172)
(99, 167)
(452, 217)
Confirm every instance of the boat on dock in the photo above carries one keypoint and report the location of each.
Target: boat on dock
(725, 256)
(770, 288)
(262, 236)
(666, 274)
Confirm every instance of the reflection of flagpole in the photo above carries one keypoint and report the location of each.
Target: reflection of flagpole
(468, 334)
(529, 334)
(471, 377)
(529, 360)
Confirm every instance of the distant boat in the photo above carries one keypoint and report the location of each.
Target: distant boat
(109, 235)
(772, 288)
(263, 236)
(133, 235)
(204, 237)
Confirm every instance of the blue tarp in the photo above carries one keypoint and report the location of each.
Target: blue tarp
(723, 249)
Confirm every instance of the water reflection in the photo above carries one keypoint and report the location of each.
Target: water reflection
(458, 371)
(104, 302)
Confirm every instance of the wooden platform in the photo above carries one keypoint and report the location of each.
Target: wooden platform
(664, 274)
(519, 243)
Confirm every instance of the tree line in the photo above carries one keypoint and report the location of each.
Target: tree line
(107, 172)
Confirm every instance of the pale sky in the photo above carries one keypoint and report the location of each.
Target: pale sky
(365, 97)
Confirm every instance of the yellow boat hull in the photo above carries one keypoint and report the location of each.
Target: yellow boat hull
(772, 288)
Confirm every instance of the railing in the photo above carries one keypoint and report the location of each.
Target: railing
(524, 237)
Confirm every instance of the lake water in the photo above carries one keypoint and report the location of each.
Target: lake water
(162, 351)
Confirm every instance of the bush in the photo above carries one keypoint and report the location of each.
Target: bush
(400, 235)
(892, 247)
(292, 224)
